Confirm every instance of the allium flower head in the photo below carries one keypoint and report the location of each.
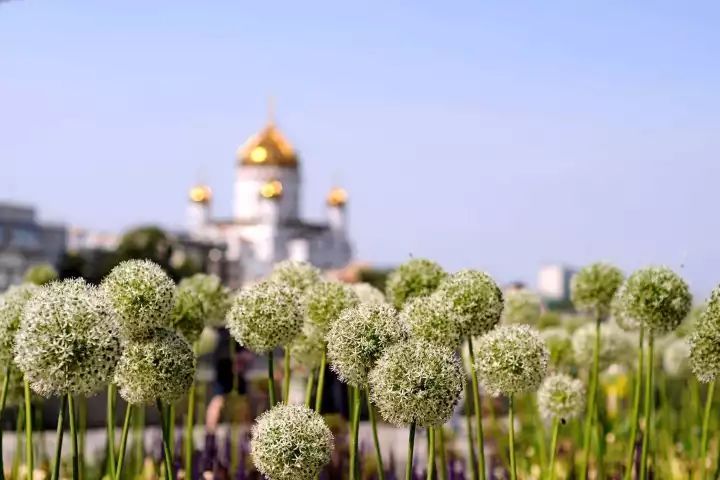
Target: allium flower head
(559, 343)
(593, 288)
(290, 442)
(616, 345)
(159, 366)
(201, 300)
(358, 337)
(68, 339)
(561, 396)
(143, 296)
(298, 275)
(41, 274)
(511, 359)
(12, 303)
(521, 306)
(657, 297)
(325, 301)
(676, 358)
(308, 347)
(476, 299)
(265, 316)
(618, 308)
(418, 277)
(417, 382)
(705, 352)
(432, 319)
(368, 294)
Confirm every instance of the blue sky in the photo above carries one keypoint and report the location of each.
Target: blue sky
(493, 135)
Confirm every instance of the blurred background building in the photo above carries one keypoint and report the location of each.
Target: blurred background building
(553, 283)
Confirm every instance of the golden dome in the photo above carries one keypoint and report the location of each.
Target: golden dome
(200, 194)
(268, 147)
(337, 197)
(272, 189)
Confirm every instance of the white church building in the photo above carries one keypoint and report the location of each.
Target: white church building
(266, 226)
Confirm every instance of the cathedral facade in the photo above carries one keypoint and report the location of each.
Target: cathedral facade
(266, 226)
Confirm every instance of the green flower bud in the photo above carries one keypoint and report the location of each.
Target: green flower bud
(432, 319)
(325, 301)
(41, 274)
(593, 288)
(476, 299)
(415, 278)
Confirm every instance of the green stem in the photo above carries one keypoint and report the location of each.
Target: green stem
(539, 435)
(410, 453)
(511, 438)
(74, 437)
(19, 422)
(630, 455)
(469, 428)
(189, 432)
(440, 438)
(376, 440)
(321, 382)
(478, 413)
(59, 439)
(309, 388)
(286, 376)
(355, 429)
(28, 432)
(110, 420)
(705, 430)
(271, 379)
(3, 400)
(167, 453)
(171, 428)
(590, 413)
(553, 448)
(648, 410)
(430, 453)
(139, 439)
(123, 442)
(82, 434)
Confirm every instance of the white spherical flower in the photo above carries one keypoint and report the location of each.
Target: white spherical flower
(368, 294)
(298, 275)
(705, 352)
(418, 277)
(68, 339)
(559, 343)
(358, 337)
(619, 310)
(657, 297)
(41, 274)
(307, 348)
(265, 316)
(290, 442)
(676, 358)
(201, 300)
(521, 306)
(325, 301)
(476, 299)
(594, 286)
(432, 319)
(159, 366)
(143, 296)
(12, 303)
(616, 345)
(417, 382)
(511, 359)
(561, 396)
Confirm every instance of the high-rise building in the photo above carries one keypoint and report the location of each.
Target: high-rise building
(554, 282)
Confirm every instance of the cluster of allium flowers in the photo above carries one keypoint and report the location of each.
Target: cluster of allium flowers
(12, 303)
(143, 296)
(358, 337)
(418, 277)
(290, 442)
(432, 319)
(561, 396)
(298, 275)
(593, 288)
(476, 300)
(559, 343)
(265, 316)
(657, 297)
(676, 358)
(417, 382)
(616, 345)
(705, 341)
(41, 274)
(521, 306)
(368, 294)
(68, 339)
(511, 359)
(325, 301)
(159, 366)
(201, 301)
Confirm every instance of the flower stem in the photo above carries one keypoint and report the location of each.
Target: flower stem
(478, 413)
(553, 448)
(355, 428)
(19, 422)
(123, 442)
(630, 462)
(286, 376)
(648, 409)
(410, 453)
(28, 432)
(189, 432)
(139, 439)
(592, 400)
(430, 453)
(110, 421)
(309, 388)
(59, 439)
(511, 438)
(3, 400)
(167, 453)
(705, 427)
(376, 440)
(471, 441)
(271, 379)
(440, 438)
(321, 382)
(74, 437)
